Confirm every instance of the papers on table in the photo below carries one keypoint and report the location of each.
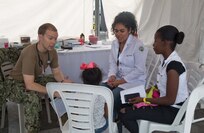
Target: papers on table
(138, 89)
(93, 46)
(62, 50)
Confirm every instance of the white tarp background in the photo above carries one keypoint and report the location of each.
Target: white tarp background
(23, 17)
(72, 17)
(201, 54)
(186, 15)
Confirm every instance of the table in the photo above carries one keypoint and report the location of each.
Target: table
(70, 60)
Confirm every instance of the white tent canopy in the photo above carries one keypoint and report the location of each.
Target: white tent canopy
(23, 17)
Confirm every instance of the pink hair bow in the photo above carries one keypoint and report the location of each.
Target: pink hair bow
(87, 66)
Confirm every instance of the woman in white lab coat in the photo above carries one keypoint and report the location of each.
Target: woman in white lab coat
(127, 58)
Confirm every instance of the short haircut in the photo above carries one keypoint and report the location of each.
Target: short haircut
(47, 26)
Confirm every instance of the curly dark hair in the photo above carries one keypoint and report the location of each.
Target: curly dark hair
(127, 19)
(92, 76)
(171, 33)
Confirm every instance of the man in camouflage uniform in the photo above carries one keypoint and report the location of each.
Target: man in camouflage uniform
(27, 78)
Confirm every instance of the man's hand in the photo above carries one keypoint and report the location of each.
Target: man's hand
(67, 81)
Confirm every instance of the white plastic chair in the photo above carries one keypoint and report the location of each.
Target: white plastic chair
(195, 75)
(79, 100)
(179, 125)
(6, 68)
(152, 63)
(195, 79)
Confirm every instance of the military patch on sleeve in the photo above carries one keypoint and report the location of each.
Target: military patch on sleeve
(141, 48)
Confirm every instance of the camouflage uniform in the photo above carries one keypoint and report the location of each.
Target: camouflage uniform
(2, 94)
(30, 100)
(14, 90)
(10, 54)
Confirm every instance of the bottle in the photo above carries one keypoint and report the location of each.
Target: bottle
(82, 38)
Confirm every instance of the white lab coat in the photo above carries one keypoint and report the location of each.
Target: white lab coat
(131, 62)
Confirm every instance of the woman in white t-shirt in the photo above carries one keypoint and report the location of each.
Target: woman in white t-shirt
(171, 83)
(92, 75)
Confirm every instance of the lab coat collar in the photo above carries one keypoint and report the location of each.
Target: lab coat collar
(129, 40)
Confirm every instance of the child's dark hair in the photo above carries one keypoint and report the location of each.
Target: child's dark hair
(92, 76)
(171, 33)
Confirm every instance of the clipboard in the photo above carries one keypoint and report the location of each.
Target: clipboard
(132, 92)
(130, 96)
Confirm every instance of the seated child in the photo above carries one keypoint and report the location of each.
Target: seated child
(92, 75)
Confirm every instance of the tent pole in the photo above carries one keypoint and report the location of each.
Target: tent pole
(97, 17)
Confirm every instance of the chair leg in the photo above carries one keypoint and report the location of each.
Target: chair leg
(202, 104)
(201, 107)
(21, 118)
(47, 104)
(124, 130)
(3, 113)
(143, 126)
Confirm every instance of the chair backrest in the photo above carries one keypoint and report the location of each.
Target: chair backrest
(10, 54)
(195, 78)
(196, 95)
(152, 64)
(181, 123)
(195, 75)
(6, 68)
(79, 103)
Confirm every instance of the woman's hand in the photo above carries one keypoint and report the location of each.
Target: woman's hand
(111, 78)
(135, 100)
(111, 81)
(114, 83)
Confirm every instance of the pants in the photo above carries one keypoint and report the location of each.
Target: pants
(2, 94)
(160, 114)
(30, 101)
(102, 129)
(15, 92)
(117, 99)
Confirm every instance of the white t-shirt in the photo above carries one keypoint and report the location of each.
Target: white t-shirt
(99, 119)
(182, 93)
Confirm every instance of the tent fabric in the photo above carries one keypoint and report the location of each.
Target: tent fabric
(23, 17)
(201, 53)
(186, 15)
